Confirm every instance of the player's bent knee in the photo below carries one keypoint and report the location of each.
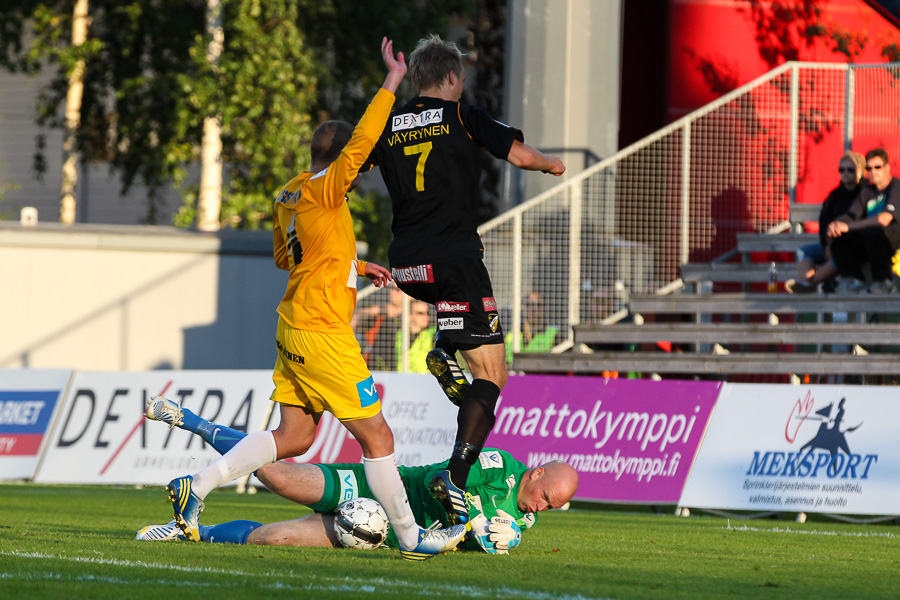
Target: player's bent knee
(272, 475)
(373, 434)
(289, 447)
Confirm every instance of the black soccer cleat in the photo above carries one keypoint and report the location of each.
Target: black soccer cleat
(451, 498)
(449, 375)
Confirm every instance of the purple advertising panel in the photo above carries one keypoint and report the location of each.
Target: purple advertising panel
(631, 440)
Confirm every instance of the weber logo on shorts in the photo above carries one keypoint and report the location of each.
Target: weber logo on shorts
(368, 394)
(450, 323)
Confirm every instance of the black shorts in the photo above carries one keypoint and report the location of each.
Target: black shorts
(461, 293)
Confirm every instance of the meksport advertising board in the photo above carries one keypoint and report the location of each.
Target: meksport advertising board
(829, 449)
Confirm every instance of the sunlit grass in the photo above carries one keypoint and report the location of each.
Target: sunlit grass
(78, 542)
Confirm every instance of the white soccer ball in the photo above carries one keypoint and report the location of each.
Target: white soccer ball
(361, 523)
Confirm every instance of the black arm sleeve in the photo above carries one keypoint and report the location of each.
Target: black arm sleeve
(496, 137)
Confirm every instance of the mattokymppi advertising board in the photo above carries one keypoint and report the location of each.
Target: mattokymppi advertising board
(831, 449)
(28, 401)
(629, 440)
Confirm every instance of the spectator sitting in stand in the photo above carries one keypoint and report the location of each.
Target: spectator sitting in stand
(421, 338)
(865, 239)
(814, 263)
(382, 325)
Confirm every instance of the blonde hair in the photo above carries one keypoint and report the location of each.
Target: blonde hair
(432, 61)
(857, 159)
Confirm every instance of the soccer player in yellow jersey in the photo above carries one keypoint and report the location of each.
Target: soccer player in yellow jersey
(319, 365)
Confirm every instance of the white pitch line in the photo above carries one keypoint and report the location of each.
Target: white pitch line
(31, 576)
(339, 584)
(810, 531)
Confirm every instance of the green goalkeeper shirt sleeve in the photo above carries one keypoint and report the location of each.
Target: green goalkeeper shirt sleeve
(492, 485)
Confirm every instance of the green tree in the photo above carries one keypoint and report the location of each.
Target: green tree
(344, 32)
(287, 65)
(264, 88)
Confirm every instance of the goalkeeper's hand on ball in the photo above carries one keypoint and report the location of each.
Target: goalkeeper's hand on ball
(497, 535)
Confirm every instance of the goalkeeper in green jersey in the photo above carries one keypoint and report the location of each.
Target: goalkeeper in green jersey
(503, 496)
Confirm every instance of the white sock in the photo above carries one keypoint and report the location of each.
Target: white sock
(249, 454)
(387, 487)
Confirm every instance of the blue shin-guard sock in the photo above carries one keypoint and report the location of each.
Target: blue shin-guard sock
(221, 438)
(192, 423)
(233, 532)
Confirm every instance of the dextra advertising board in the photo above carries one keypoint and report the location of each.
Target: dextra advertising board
(102, 436)
(632, 441)
(422, 419)
(830, 449)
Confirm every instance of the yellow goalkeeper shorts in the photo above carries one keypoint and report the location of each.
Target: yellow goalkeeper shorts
(323, 372)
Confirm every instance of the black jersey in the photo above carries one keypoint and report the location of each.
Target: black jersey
(429, 158)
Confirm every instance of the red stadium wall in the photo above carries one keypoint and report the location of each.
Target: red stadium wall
(703, 49)
(718, 45)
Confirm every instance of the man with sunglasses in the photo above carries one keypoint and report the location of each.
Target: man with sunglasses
(868, 235)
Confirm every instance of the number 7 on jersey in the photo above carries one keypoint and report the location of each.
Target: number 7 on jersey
(422, 150)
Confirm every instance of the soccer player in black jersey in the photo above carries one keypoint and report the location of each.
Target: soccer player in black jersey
(429, 158)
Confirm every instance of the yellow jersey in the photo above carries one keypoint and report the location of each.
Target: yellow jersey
(313, 233)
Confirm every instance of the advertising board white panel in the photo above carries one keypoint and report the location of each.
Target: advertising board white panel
(421, 417)
(29, 400)
(828, 449)
(102, 436)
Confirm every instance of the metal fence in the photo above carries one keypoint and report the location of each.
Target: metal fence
(627, 224)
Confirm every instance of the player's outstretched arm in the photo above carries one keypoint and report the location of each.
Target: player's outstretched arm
(531, 159)
(366, 133)
(396, 66)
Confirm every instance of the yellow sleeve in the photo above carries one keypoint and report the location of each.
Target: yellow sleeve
(278, 245)
(341, 173)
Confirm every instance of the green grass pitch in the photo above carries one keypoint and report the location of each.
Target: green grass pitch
(78, 542)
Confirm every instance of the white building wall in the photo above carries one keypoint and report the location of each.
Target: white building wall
(137, 298)
(563, 79)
